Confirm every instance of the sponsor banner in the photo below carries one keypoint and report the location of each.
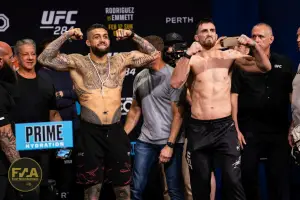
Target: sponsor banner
(44, 135)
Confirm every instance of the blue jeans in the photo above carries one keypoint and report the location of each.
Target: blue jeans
(145, 156)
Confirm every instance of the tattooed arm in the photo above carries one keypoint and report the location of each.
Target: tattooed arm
(52, 58)
(146, 54)
(135, 59)
(145, 46)
(8, 143)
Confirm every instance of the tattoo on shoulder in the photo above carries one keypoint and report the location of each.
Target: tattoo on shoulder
(90, 116)
(80, 91)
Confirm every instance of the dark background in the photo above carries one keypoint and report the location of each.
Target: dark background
(232, 17)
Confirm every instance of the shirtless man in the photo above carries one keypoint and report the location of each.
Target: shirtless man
(211, 128)
(102, 143)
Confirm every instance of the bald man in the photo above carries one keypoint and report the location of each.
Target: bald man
(8, 153)
(262, 101)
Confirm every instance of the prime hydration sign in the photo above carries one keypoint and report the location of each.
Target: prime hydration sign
(44, 135)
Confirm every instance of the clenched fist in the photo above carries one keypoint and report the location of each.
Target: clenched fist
(75, 34)
(123, 34)
(244, 40)
(194, 48)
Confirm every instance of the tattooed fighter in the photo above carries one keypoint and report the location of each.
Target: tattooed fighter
(211, 130)
(103, 146)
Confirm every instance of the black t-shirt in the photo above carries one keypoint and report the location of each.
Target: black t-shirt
(36, 99)
(7, 95)
(263, 102)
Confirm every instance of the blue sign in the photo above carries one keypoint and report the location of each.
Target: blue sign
(44, 135)
(132, 148)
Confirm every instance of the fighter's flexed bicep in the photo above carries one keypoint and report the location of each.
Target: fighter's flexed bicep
(52, 58)
(135, 59)
(60, 62)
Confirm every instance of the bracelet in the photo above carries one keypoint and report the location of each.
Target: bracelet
(186, 55)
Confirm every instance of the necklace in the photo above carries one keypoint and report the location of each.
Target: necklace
(102, 81)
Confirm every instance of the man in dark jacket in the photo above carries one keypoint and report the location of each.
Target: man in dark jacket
(8, 152)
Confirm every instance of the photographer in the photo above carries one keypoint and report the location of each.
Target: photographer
(175, 47)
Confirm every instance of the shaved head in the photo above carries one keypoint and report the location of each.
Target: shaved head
(7, 74)
(266, 27)
(4, 48)
(6, 54)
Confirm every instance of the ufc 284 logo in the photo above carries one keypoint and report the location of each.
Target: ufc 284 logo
(60, 21)
(125, 105)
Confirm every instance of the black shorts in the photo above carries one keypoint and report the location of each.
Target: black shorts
(103, 150)
(217, 134)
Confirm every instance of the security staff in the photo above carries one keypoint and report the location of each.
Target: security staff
(262, 103)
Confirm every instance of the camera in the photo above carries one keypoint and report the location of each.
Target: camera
(175, 47)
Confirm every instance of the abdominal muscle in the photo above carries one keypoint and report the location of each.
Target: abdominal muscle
(210, 94)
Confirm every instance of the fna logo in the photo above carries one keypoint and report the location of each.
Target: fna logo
(25, 174)
(61, 21)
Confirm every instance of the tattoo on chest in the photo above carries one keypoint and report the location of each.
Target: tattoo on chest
(97, 74)
(80, 91)
(90, 116)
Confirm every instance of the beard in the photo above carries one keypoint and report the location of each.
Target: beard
(209, 43)
(7, 74)
(99, 52)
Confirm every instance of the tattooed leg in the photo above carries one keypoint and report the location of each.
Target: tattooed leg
(93, 192)
(122, 193)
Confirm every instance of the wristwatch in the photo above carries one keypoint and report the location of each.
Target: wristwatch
(186, 55)
(170, 144)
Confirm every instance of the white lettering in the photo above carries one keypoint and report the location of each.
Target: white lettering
(127, 17)
(69, 17)
(63, 195)
(119, 10)
(179, 20)
(60, 21)
(125, 105)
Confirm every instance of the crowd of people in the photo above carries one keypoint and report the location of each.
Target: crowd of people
(214, 104)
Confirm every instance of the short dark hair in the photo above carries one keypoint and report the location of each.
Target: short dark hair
(156, 41)
(204, 21)
(95, 26)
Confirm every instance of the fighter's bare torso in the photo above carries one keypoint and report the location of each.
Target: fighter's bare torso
(211, 82)
(98, 87)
